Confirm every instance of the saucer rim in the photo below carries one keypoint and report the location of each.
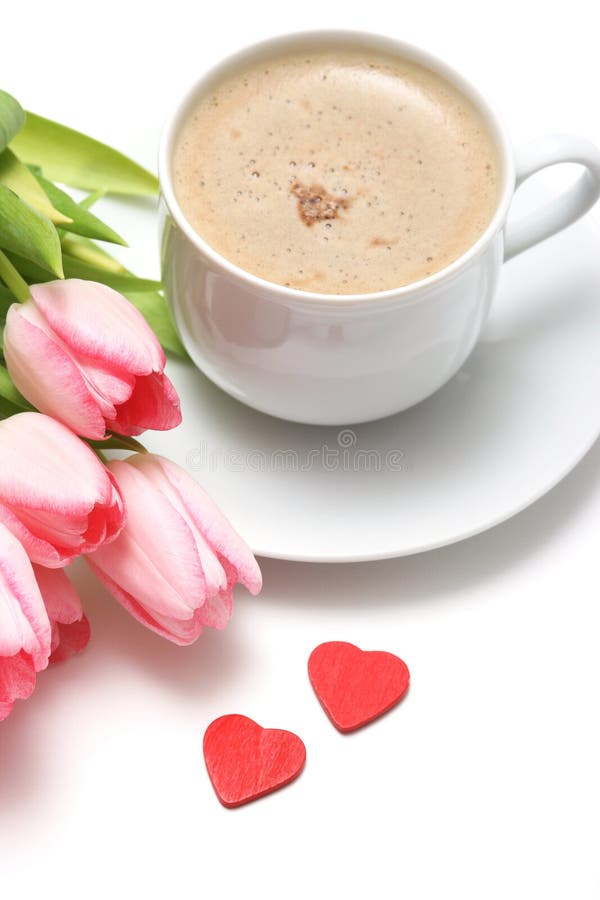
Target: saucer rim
(593, 217)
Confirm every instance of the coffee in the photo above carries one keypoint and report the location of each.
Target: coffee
(337, 171)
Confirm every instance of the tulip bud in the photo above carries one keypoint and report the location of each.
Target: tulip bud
(55, 495)
(82, 353)
(177, 559)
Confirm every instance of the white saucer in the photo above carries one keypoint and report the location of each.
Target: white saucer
(518, 417)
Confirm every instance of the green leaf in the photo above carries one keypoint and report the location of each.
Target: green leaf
(12, 278)
(76, 268)
(92, 198)
(73, 158)
(15, 175)
(32, 273)
(157, 314)
(9, 392)
(8, 409)
(84, 249)
(25, 231)
(118, 442)
(143, 293)
(12, 118)
(79, 220)
(120, 280)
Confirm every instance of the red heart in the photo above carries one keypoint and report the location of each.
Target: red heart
(355, 686)
(245, 761)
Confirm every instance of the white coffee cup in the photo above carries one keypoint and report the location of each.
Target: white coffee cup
(340, 359)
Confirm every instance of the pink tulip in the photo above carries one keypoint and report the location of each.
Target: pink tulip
(25, 634)
(55, 495)
(82, 353)
(176, 561)
(70, 629)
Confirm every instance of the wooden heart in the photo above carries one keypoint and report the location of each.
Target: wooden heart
(245, 761)
(355, 686)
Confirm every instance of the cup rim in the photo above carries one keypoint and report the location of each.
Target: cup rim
(297, 39)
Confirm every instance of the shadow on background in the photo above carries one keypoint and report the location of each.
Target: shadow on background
(427, 576)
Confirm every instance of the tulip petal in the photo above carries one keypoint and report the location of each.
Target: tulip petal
(174, 565)
(63, 531)
(59, 595)
(53, 540)
(24, 623)
(98, 322)
(35, 358)
(17, 680)
(154, 558)
(72, 639)
(210, 521)
(154, 404)
(102, 364)
(38, 550)
(217, 610)
(55, 494)
(179, 631)
(216, 579)
(70, 627)
(108, 386)
(106, 520)
(44, 466)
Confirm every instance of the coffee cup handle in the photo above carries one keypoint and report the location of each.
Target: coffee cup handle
(570, 205)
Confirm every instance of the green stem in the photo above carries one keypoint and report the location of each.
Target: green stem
(13, 280)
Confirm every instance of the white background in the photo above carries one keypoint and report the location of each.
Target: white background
(485, 782)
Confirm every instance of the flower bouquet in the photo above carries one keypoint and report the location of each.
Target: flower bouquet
(82, 372)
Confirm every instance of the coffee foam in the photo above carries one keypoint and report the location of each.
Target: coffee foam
(337, 171)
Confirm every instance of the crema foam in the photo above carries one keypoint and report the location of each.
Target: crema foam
(337, 171)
